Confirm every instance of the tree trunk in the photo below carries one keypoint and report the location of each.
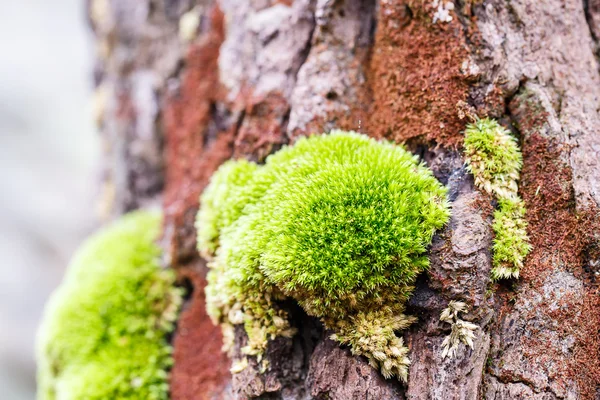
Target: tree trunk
(184, 85)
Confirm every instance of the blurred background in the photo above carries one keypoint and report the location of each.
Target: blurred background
(49, 168)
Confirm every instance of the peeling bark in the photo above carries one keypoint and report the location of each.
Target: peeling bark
(257, 74)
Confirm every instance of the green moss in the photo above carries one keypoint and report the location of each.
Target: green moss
(223, 202)
(338, 222)
(511, 243)
(104, 334)
(494, 159)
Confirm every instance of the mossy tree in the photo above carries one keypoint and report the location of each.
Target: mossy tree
(218, 80)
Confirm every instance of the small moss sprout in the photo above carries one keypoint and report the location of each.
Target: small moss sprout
(340, 223)
(494, 159)
(104, 333)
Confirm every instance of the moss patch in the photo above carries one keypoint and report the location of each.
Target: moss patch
(340, 223)
(104, 334)
(511, 242)
(494, 159)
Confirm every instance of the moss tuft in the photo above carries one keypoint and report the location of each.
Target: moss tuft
(462, 331)
(104, 334)
(494, 159)
(338, 222)
(511, 243)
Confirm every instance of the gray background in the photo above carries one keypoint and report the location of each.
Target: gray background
(48, 168)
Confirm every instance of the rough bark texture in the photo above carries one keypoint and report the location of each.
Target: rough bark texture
(256, 74)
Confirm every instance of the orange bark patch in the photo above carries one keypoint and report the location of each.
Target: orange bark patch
(201, 370)
(547, 190)
(562, 238)
(195, 146)
(415, 75)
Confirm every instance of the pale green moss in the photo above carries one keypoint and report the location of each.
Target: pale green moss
(372, 334)
(338, 222)
(494, 159)
(104, 334)
(462, 331)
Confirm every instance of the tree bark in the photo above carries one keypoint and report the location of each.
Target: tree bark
(183, 85)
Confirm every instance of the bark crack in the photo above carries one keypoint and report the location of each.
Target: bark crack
(590, 23)
(522, 381)
(306, 51)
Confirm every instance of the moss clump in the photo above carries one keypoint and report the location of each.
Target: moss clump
(104, 334)
(494, 159)
(338, 222)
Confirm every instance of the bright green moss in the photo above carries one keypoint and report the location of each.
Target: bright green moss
(222, 202)
(351, 228)
(494, 159)
(104, 334)
(340, 223)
